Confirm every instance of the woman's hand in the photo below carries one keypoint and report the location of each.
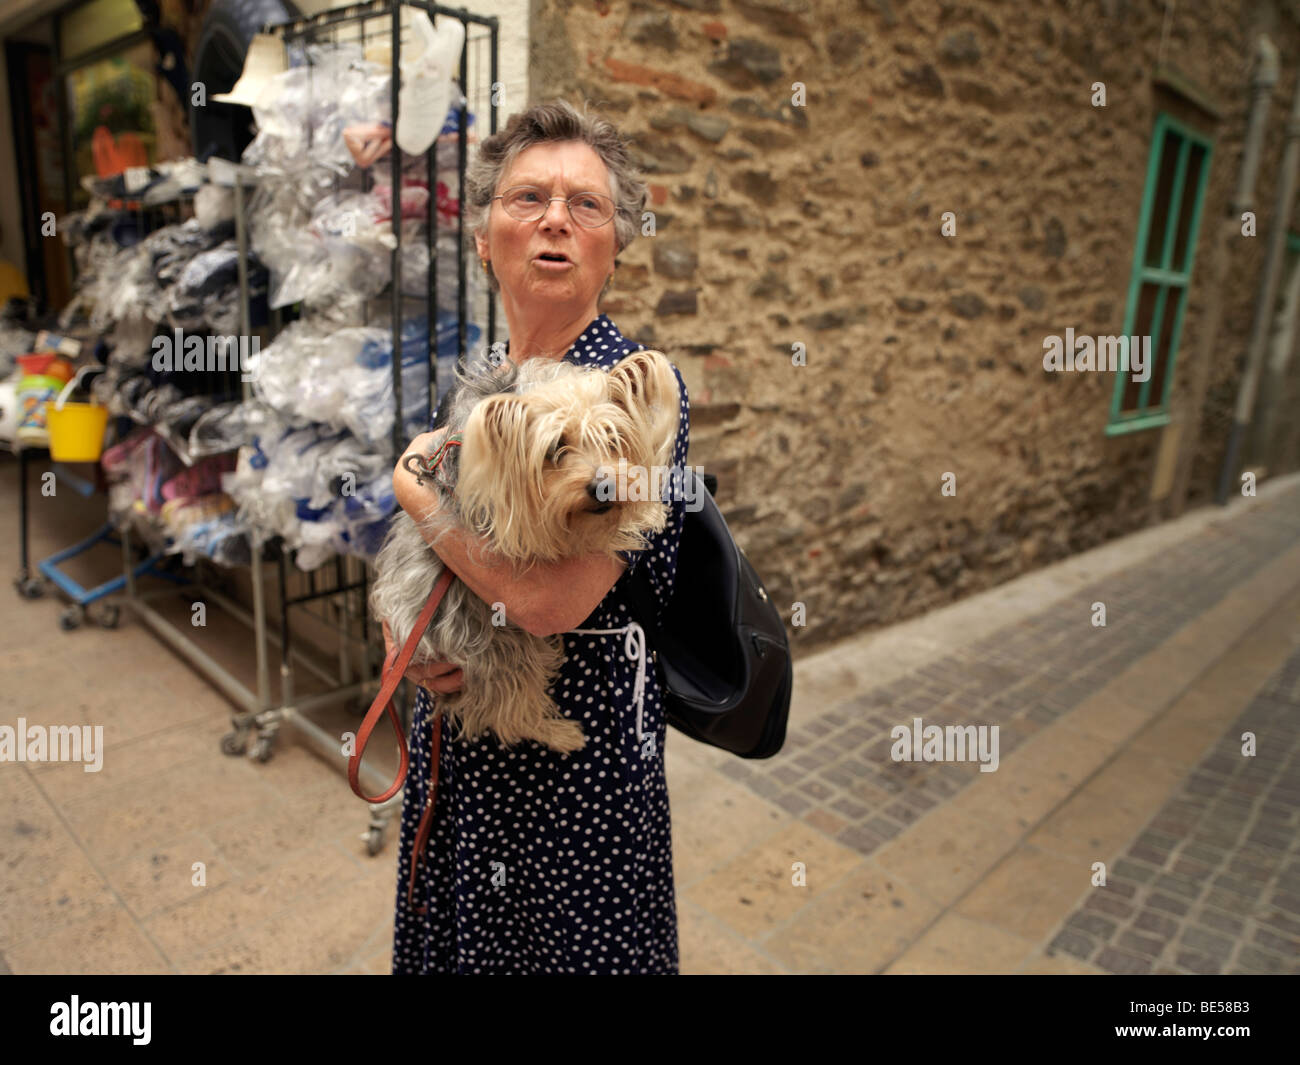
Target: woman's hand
(405, 484)
(442, 677)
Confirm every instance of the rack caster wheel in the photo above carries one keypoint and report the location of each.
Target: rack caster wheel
(263, 749)
(109, 615)
(374, 841)
(72, 618)
(234, 742)
(30, 587)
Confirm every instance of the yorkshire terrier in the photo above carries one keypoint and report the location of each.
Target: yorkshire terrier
(522, 465)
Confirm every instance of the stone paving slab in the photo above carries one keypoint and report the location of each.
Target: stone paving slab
(1010, 895)
(1213, 884)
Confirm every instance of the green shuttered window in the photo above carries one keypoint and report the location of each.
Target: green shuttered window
(1178, 171)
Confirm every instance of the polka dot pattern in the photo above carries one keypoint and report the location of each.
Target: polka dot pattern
(539, 862)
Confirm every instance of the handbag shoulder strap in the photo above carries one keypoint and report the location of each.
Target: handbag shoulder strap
(640, 594)
(642, 601)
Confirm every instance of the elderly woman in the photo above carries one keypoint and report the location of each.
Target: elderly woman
(539, 862)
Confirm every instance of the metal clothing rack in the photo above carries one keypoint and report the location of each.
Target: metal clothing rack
(341, 598)
(355, 17)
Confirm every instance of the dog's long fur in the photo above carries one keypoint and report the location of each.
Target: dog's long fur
(535, 437)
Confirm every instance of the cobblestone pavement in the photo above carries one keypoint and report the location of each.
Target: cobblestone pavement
(1213, 884)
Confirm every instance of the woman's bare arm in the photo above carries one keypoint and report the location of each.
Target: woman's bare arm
(551, 597)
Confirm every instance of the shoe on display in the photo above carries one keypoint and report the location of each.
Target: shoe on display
(426, 82)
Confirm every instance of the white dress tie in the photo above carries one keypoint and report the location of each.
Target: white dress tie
(634, 648)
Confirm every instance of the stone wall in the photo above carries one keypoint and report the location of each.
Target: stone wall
(782, 221)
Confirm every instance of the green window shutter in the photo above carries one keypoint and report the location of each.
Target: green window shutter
(1178, 172)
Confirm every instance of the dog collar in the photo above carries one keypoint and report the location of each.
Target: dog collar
(428, 465)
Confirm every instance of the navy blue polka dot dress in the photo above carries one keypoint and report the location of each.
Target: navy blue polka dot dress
(540, 862)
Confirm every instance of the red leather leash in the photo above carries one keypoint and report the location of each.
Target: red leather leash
(395, 667)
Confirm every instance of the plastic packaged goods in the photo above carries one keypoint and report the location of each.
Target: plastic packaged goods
(180, 417)
(308, 459)
(359, 91)
(327, 252)
(112, 284)
(176, 178)
(302, 112)
(290, 460)
(137, 468)
(206, 295)
(208, 527)
(203, 478)
(448, 198)
(128, 392)
(230, 426)
(137, 282)
(415, 199)
(341, 468)
(353, 247)
(278, 215)
(300, 372)
(415, 267)
(283, 119)
(367, 410)
(14, 341)
(213, 206)
(449, 348)
(178, 514)
(323, 492)
(342, 378)
(144, 399)
(223, 540)
(244, 485)
(131, 342)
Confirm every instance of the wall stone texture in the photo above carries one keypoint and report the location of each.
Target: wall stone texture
(817, 222)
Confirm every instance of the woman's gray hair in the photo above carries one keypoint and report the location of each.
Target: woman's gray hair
(555, 121)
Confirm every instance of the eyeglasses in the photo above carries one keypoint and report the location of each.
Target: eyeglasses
(528, 203)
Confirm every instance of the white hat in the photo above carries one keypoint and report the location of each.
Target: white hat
(266, 58)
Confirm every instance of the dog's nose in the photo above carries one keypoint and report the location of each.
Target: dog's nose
(601, 486)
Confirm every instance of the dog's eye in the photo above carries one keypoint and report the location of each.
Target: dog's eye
(553, 451)
(603, 508)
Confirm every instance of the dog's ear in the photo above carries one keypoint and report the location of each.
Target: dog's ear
(496, 427)
(645, 385)
(492, 472)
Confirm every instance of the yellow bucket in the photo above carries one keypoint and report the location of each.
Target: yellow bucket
(76, 431)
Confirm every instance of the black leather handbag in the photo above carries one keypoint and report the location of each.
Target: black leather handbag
(721, 648)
